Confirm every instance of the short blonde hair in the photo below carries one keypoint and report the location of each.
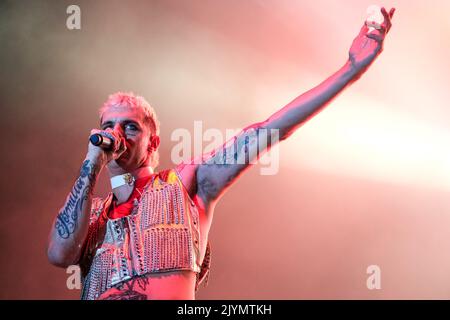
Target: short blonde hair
(131, 100)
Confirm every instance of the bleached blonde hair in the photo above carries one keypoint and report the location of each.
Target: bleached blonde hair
(131, 100)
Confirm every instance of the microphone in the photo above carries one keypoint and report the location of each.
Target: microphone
(101, 141)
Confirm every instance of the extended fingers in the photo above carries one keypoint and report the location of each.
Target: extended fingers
(387, 18)
(391, 12)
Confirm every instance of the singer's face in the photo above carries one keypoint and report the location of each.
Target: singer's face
(130, 122)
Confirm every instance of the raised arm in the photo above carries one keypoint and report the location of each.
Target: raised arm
(217, 171)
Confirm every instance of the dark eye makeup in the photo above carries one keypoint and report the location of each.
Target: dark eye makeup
(127, 126)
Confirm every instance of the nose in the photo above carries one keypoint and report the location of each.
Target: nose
(118, 128)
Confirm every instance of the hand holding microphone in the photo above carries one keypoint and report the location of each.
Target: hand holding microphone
(106, 145)
(104, 141)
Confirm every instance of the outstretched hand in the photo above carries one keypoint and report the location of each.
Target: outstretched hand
(368, 45)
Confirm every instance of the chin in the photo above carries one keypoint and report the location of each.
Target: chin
(126, 164)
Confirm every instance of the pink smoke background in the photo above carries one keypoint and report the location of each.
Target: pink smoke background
(366, 182)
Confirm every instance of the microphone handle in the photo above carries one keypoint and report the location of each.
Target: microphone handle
(101, 141)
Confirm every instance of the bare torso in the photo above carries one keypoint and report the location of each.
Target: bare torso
(178, 285)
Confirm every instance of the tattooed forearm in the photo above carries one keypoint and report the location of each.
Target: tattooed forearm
(67, 220)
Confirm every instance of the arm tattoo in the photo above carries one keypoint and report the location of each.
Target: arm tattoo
(224, 164)
(67, 219)
(241, 149)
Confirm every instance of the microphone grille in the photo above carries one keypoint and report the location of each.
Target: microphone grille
(96, 139)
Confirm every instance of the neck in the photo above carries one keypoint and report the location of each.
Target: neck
(142, 172)
(123, 192)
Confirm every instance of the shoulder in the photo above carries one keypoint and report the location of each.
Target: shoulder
(186, 173)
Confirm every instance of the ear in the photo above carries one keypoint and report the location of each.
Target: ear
(154, 143)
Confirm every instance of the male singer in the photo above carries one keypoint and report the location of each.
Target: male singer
(148, 239)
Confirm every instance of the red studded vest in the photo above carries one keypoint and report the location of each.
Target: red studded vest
(162, 233)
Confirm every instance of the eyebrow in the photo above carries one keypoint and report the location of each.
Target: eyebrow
(124, 122)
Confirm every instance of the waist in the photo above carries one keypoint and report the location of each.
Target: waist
(170, 285)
